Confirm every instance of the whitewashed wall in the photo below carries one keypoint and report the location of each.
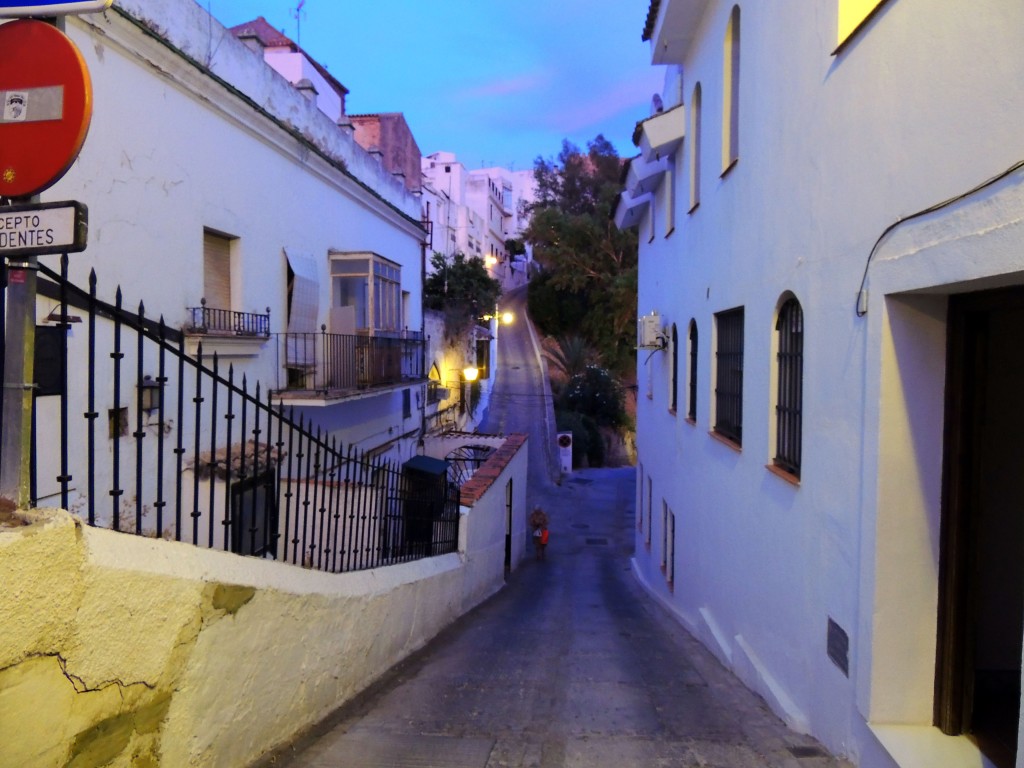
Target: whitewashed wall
(833, 149)
(191, 130)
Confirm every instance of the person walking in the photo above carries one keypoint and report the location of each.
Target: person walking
(539, 523)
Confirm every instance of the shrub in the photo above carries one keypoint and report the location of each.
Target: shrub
(596, 394)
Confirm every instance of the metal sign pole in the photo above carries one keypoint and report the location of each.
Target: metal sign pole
(19, 374)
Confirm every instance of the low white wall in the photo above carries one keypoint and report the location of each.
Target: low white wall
(128, 651)
(491, 517)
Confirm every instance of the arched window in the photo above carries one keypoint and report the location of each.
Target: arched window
(694, 140)
(673, 392)
(731, 91)
(691, 403)
(789, 402)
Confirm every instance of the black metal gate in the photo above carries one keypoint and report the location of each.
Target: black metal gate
(156, 442)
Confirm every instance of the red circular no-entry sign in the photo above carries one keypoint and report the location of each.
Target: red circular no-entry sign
(45, 106)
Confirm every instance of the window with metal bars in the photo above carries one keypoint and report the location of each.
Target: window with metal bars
(650, 495)
(789, 403)
(668, 542)
(691, 406)
(673, 393)
(729, 375)
(670, 545)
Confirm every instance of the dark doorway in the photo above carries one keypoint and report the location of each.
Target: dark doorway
(426, 493)
(508, 528)
(254, 516)
(981, 599)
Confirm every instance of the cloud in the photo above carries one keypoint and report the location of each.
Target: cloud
(597, 107)
(502, 87)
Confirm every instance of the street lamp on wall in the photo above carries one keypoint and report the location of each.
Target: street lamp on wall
(503, 318)
(151, 394)
(469, 375)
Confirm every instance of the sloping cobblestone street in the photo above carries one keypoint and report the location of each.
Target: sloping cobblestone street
(570, 665)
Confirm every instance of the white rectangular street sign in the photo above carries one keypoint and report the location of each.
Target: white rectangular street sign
(41, 228)
(11, 8)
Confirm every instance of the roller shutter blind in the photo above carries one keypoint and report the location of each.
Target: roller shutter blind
(216, 271)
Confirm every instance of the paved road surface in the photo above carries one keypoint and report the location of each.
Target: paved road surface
(570, 665)
(520, 401)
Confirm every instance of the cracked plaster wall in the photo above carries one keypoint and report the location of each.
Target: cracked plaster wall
(124, 651)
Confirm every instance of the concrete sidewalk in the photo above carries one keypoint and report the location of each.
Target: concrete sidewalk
(570, 665)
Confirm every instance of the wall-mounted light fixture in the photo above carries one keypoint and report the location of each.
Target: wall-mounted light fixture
(469, 374)
(503, 318)
(151, 394)
(56, 317)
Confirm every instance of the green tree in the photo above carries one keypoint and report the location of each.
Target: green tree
(584, 255)
(515, 247)
(555, 311)
(572, 356)
(461, 288)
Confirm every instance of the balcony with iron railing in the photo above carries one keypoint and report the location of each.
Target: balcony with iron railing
(330, 366)
(227, 322)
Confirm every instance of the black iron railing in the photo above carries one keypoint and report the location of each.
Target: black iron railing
(172, 446)
(336, 363)
(226, 321)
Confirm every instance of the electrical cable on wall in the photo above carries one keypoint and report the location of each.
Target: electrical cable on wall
(862, 296)
(664, 344)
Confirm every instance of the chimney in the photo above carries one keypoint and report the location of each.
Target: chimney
(307, 89)
(251, 41)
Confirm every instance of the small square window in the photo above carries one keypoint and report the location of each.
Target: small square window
(117, 422)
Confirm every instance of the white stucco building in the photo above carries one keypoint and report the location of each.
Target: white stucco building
(831, 210)
(244, 213)
(476, 212)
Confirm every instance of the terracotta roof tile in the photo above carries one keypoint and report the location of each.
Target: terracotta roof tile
(273, 38)
(652, 19)
(260, 27)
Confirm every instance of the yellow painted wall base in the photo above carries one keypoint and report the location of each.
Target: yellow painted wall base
(125, 651)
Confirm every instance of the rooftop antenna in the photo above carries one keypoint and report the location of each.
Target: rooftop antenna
(297, 14)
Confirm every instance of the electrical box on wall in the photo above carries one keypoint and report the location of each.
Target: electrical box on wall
(648, 332)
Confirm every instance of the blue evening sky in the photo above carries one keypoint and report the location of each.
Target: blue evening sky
(497, 83)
